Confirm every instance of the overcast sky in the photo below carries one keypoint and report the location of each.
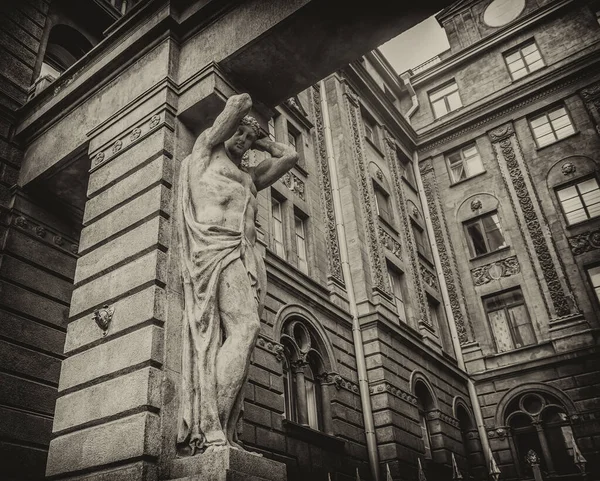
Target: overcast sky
(415, 46)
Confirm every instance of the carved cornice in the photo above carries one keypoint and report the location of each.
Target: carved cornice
(45, 234)
(411, 247)
(437, 414)
(387, 387)
(332, 245)
(495, 270)
(380, 281)
(504, 141)
(585, 242)
(273, 347)
(447, 257)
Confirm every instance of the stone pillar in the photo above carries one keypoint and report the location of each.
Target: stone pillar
(545, 448)
(301, 406)
(325, 384)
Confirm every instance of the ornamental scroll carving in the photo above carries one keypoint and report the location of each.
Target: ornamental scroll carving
(386, 387)
(504, 141)
(585, 242)
(389, 242)
(332, 244)
(447, 256)
(495, 270)
(591, 98)
(390, 151)
(428, 277)
(380, 280)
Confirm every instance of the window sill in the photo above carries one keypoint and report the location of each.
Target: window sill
(489, 254)
(538, 148)
(528, 76)
(582, 222)
(458, 182)
(312, 436)
(443, 117)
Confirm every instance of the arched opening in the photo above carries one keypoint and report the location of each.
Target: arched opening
(425, 404)
(65, 46)
(467, 431)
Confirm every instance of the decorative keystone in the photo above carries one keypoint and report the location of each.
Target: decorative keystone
(103, 317)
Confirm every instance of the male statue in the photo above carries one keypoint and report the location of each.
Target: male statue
(224, 278)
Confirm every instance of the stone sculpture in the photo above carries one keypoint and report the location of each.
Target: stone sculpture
(224, 278)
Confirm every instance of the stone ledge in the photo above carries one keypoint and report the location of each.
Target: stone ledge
(227, 464)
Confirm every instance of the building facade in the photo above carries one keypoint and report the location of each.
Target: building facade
(440, 212)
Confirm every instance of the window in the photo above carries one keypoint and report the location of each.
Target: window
(551, 126)
(271, 127)
(420, 239)
(433, 312)
(524, 60)
(425, 405)
(484, 235)
(509, 320)
(277, 227)
(292, 137)
(397, 284)
(465, 163)
(312, 401)
(445, 99)
(407, 166)
(300, 225)
(538, 421)
(580, 201)
(371, 131)
(594, 273)
(382, 203)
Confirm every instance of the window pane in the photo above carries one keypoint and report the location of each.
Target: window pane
(576, 216)
(277, 226)
(587, 185)
(594, 273)
(474, 165)
(439, 108)
(311, 399)
(557, 113)
(567, 193)
(528, 49)
(546, 139)
(539, 121)
(477, 244)
(513, 57)
(522, 329)
(493, 232)
(518, 64)
(501, 330)
(454, 101)
(458, 172)
(533, 57)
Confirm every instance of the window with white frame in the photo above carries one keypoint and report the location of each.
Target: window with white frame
(277, 227)
(523, 60)
(398, 289)
(300, 227)
(551, 126)
(594, 273)
(484, 234)
(464, 163)
(445, 99)
(509, 320)
(580, 201)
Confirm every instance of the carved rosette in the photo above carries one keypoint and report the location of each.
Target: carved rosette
(43, 233)
(447, 256)
(411, 246)
(332, 245)
(504, 141)
(495, 270)
(585, 242)
(376, 255)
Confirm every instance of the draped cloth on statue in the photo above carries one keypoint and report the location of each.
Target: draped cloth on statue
(206, 251)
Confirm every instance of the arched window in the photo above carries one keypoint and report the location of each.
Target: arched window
(467, 431)
(425, 404)
(538, 421)
(305, 376)
(65, 46)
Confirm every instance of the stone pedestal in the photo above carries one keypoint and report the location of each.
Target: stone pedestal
(227, 464)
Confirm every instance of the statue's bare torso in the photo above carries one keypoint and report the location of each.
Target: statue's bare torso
(220, 193)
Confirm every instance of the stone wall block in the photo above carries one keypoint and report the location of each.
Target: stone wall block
(142, 307)
(113, 442)
(141, 346)
(115, 396)
(142, 238)
(146, 269)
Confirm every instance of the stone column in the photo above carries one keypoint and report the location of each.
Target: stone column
(545, 448)
(301, 407)
(325, 384)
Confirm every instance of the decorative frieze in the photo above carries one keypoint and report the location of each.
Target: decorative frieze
(437, 414)
(44, 233)
(446, 254)
(389, 242)
(271, 346)
(332, 244)
(386, 387)
(411, 247)
(380, 279)
(591, 98)
(123, 141)
(294, 183)
(428, 277)
(495, 270)
(504, 140)
(585, 242)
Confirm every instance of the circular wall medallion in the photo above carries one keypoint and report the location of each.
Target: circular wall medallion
(501, 12)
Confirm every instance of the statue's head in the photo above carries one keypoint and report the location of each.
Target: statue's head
(243, 138)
